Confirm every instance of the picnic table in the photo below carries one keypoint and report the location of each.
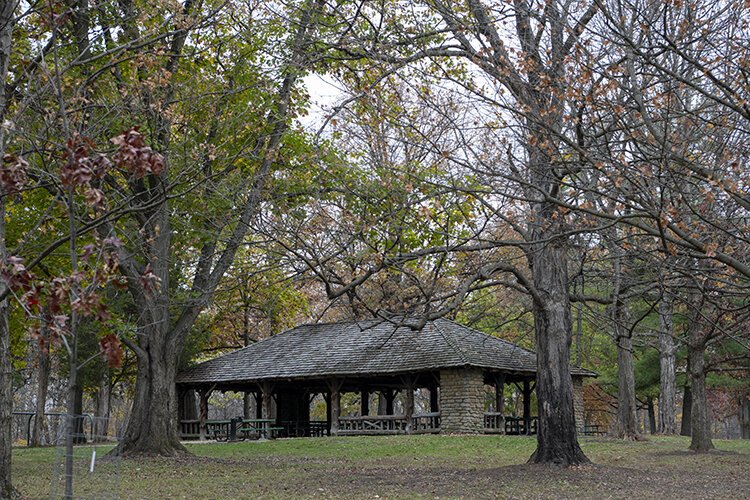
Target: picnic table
(258, 427)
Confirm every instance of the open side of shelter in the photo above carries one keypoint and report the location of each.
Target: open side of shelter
(450, 364)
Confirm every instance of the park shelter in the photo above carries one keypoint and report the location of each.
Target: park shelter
(452, 363)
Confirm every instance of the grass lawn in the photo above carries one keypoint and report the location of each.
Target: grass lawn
(398, 467)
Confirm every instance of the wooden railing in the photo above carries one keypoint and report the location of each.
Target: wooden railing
(389, 424)
(380, 424)
(426, 423)
(517, 426)
(494, 423)
(190, 429)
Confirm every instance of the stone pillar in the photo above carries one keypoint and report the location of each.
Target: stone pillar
(461, 401)
(578, 402)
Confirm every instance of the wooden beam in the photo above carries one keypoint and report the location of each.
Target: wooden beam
(203, 411)
(364, 403)
(527, 407)
(409, 404)
(499, 392)
(334, 386)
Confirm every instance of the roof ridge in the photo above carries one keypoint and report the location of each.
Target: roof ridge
(453, 346)
(494, 337)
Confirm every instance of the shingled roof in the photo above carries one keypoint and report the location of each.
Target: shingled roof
(364, 348)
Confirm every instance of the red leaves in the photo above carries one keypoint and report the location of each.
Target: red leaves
(82, 164)
(111, 350)
(149, 280)
(13, 174)
(135, 156)
(16, 276)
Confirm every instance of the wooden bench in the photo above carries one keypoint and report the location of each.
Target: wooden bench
(258, 426)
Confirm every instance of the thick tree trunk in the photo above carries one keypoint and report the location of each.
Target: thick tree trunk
(557, 442)
(6, 369)
(627, 420)
(103, 399)
(651, 415)
(6, 402)
(667, 382)
(687, 410)
(700, 421)
(42, 382)
(153, 428)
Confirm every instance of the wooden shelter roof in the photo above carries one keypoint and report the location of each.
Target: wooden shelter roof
(364, 348)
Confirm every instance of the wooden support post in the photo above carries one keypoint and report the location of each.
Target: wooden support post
(409, 403)
(327, 397)
(389, 395)
(335, 387)
(258, 405)
(203, 411)
(365, 403)
(500, 392)
(267, 397)
(526, 407)
(434, 399)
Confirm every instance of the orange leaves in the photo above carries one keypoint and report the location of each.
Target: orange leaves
(13, 174)
(111, 350)
(134, 156)
(82, 164)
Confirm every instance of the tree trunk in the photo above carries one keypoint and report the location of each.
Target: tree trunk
(103, 399)
(557, 442)
(41, 391)
(700, 421)
(153, 427)
(651, 415)
(79, 429)
(687, 409)
(667, 383)
(6, 401)
(627, 421)
(6, 368)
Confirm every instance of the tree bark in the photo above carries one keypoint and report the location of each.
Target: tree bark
(153, 428)
(42, 384)
(651, 415)
(557, 441)
(687, 410)
(700, 421)
(7, 10)
(667, 382)
(103, 399)
(627, 420)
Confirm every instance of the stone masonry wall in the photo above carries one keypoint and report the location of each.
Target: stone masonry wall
(461, 401)
(578, 402)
